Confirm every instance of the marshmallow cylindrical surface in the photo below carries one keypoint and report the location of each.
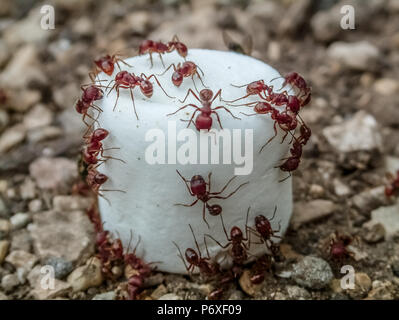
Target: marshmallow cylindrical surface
(157, 145)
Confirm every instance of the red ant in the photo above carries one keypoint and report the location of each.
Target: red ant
(94, 147)
(107, 64)
(292, 162)
(187, 69)
(126, 80)
(149, 46)
(337, 248)
(236, 241)
(197, 187)
(393, 187)
(90, 94)
(195, 259)
(110, 252)
(264, 230)
(204, 119)
(143, 270)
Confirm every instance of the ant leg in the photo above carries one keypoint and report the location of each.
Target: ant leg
(268, 141)
(180, 255)
(134, 106)
(195, 86)
(113, 190)
(224, 108)
(237, 86)
(274, 213)
(124, 62)
(246, 224)
(218, 94)
(192, 117)
(117, 97)
(246, 96)
(228, 196)
(186, 183)
(224, 229)
(160, 57)
(285, 136)
(109, 157)
(223, 247)
(106, 88)
(289, 175)
(204, 216)
(187, 205)
(152, 63)
(224, 188)
(218, 118)
(181, 108)
(199, 77)
(166, 70)
(209, 182)
(249, 115)
(195, 240)
(193, 93)
(206, 248)
(159, 84)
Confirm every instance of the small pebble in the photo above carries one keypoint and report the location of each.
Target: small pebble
(19, 220)
(9, 282)
(61, 267)
(312, 272)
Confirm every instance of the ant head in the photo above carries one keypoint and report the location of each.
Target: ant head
(191, 256)
(215, 210)
(100, 178)
(91, 93)
(81, 107)
(262, 224)
(145, 45)
(122, 76)
(177, 78)
(99, 134)
(198, 185)
(106, 64)
(236, 234)
(206, 94)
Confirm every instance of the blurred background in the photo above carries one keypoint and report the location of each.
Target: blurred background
(340, 183)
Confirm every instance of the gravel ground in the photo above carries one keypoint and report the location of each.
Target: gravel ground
(338, 188)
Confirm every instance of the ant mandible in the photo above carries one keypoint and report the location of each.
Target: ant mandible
(204, 119)
(187, 69)
(126, 80)
(195, 259)
(236, 241)
(197, 187)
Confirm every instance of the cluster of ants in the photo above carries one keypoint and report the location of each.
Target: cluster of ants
(284, 110)
(239, 246)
